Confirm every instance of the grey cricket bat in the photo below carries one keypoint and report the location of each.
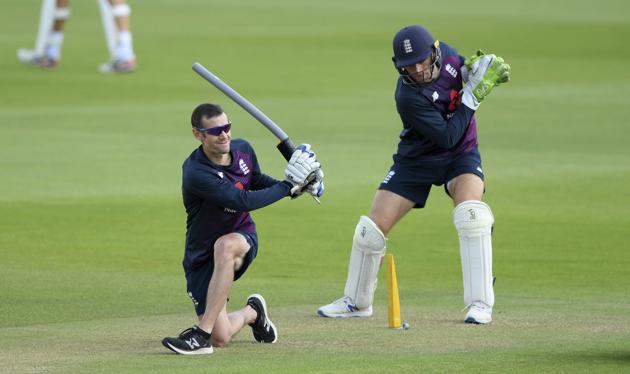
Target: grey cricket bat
(285, 146)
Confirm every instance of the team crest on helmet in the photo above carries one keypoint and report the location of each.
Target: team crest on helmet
(407, 45)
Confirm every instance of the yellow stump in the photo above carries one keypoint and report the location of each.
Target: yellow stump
(393, 300)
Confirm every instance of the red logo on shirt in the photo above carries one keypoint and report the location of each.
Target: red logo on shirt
(239, 185)
(455, 101)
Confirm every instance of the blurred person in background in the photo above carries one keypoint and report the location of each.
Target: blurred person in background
(54, 14)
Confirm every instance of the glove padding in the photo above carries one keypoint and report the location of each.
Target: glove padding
(482, 73)
(316, 187)
(302, 169)
(303, 162)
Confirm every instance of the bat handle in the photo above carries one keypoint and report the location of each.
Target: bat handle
(287, 148)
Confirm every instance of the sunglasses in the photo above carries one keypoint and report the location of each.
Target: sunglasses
(216, 131)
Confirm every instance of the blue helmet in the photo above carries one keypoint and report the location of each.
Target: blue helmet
(413, 44)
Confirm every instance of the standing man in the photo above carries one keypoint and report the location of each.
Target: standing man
(116, 16)
(437, 95)
(221, 184)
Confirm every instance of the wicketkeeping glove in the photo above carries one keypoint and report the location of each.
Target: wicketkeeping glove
(469, 62)
(483, 72)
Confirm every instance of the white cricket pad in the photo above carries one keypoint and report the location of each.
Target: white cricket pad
(368, 248)
(473, 220)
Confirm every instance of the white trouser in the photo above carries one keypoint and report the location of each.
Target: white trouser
(48, 15)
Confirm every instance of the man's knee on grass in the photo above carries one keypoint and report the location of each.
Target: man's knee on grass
(220, 341)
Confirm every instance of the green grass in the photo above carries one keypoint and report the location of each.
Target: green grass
(92, 225)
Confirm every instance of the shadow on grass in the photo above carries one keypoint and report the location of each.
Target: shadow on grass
(595, 357)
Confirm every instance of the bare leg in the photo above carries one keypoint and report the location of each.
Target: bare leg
(388, 208)
(465, 187)
(229, 252)
(228, 325)
(216, 327)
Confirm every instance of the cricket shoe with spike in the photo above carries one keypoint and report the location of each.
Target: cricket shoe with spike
(118, 67)
(264, 330)
(29, 57)
(343, 307)
(479, 313)
(192, 341)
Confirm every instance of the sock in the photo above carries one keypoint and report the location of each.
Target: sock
(202, 332)
(53, 48)
(124, 49)
(257, 320)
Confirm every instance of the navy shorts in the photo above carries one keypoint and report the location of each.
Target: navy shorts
(414, 181)
(198, 279)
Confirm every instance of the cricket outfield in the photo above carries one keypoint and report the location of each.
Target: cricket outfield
(92, 223)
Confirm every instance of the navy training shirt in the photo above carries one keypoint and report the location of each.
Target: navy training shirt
(435, 123)
(218, 198)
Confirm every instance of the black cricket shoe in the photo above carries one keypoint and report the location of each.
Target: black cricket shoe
(264, 330)
(192, 341)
